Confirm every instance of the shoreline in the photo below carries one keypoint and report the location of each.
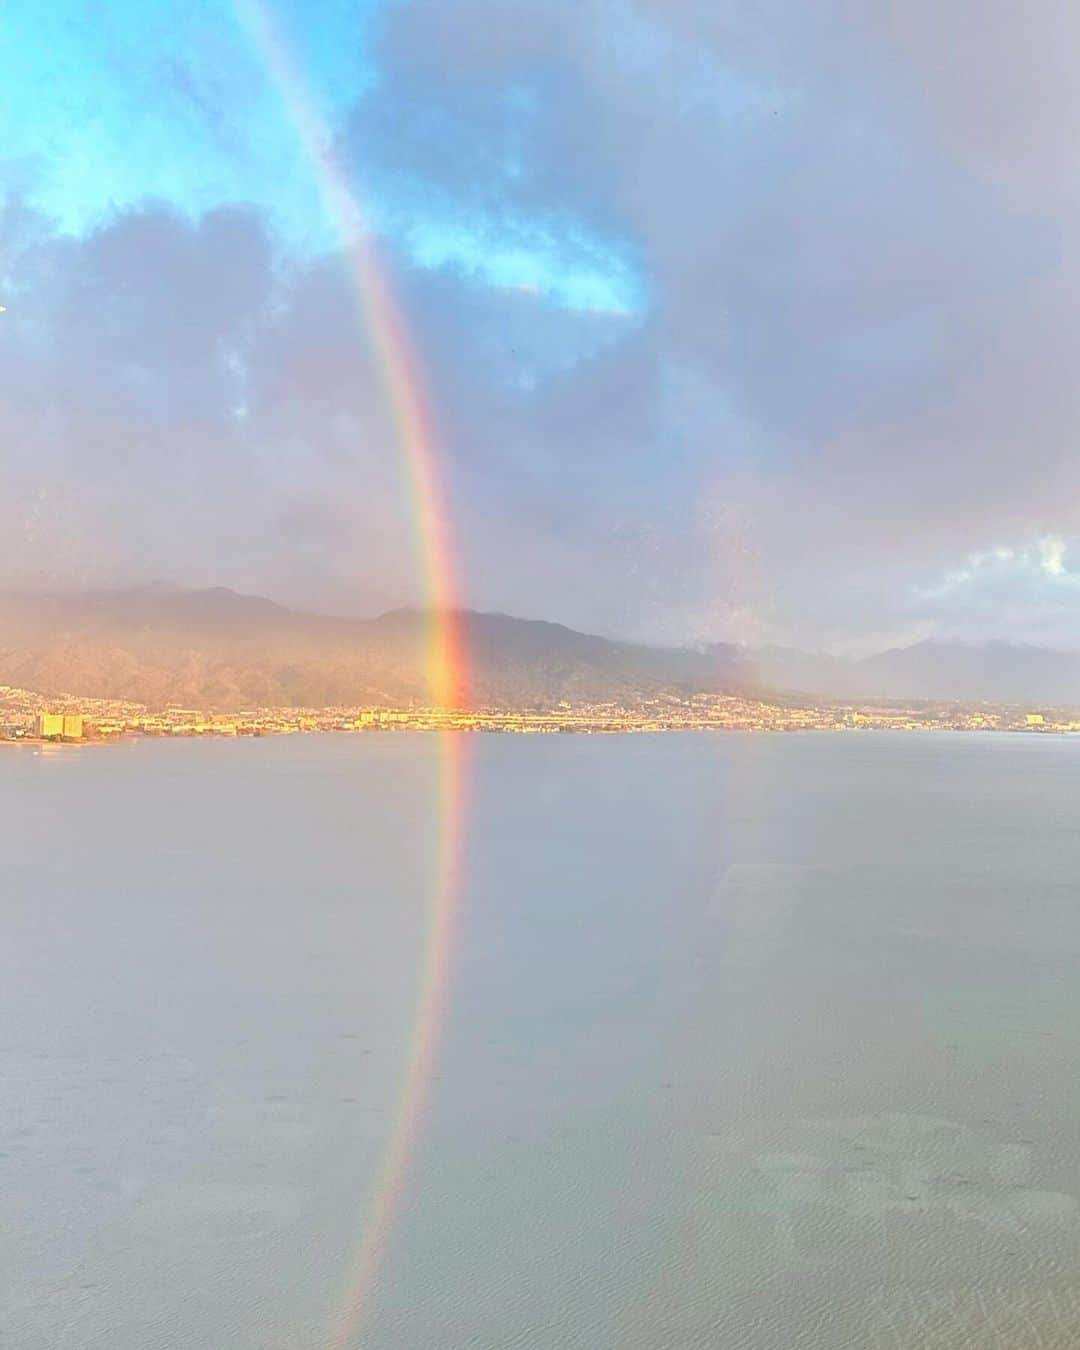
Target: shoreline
(641, 729)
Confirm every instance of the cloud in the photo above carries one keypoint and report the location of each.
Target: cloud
(1028, 592)
(169, 393)
(871, 293)
(188, 400)
(744, 321)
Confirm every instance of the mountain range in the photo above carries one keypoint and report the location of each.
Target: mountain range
(959, 672)
(218, 649)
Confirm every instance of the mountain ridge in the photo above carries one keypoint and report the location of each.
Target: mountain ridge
(223, 649)
(219, 648)
(941, 669)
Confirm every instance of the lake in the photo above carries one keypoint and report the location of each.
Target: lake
(747, 1041)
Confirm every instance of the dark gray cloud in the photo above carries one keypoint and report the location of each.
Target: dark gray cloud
(848, 382)
(173, 395)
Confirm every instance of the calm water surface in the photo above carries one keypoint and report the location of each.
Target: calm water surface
(753, 1041)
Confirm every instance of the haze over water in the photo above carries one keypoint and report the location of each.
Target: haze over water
(754, 1041)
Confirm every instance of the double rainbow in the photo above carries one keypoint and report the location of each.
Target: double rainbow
(406, 398)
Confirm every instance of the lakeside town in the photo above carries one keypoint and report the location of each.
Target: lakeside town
(29, 717)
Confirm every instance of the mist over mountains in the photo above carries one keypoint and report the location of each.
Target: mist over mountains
(217, 649)
(990, 672)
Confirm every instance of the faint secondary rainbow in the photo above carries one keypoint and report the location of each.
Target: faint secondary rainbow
(406, 398)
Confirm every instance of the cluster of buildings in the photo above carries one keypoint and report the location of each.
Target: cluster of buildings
(59, 726)
(28, 716)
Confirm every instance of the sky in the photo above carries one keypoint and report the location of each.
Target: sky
(738, 322)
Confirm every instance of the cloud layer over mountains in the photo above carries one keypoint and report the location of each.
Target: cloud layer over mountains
(749, 322)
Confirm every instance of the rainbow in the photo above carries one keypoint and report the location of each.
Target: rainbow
(430, 1017)
(409, 406)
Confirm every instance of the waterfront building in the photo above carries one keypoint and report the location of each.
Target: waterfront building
(60, 726)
